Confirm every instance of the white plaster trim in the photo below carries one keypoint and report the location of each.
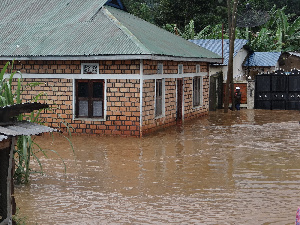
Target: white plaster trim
(75, 76)
(183, 105)
(141, 95)
(105, 76)
(74, 99)
(166, 76)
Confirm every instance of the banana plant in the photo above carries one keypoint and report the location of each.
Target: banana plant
(212, 32)
(286, 34)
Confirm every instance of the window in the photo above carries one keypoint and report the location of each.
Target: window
(197, 91)
(160, 68)
(90, 68)
(159, 97)
(89, 98)
(197, 68)
(180, 69)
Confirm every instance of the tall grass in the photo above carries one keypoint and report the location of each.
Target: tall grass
(26, 148)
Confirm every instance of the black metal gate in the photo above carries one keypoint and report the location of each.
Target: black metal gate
(278, 91)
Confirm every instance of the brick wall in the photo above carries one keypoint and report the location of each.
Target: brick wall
(122, 95)
(150, 122)
(122, 116)
(73, 66)
(189, 110)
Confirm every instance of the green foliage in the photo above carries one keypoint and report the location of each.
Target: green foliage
(19, 220)
(202, 19)
(212, 32)
(141, 9)
(278, 34)
(6, 94)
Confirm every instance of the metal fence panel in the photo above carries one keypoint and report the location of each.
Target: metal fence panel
(278, 91)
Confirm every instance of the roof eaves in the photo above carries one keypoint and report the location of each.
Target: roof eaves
(113, 57)
(125, 30)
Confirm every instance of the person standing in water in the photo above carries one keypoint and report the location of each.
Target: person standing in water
(237, 98)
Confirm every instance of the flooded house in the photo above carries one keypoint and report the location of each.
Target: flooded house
(10, 129)
(103, 70)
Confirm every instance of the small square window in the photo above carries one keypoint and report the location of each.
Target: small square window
(90, 68)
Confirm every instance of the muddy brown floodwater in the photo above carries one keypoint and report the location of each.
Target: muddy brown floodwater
(236, 168)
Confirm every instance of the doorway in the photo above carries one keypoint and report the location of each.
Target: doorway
(179, 100)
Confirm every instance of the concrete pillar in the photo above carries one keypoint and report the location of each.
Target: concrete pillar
(250, 94)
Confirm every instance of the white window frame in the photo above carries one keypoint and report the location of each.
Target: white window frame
(162, 100)
(200, 90)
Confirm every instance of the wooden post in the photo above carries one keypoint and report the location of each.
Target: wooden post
(229, 88)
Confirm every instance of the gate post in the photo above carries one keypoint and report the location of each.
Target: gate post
(250, 94)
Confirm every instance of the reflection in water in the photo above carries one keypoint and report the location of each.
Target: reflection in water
(236, 168)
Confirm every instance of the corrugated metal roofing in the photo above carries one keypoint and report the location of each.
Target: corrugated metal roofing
(215, 45)
(158, 41)
(10, 111)
(84, 28)
(295, 53)
(3, 137)
(24, 128)
(263, 59)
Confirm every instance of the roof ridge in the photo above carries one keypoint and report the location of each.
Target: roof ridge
(127, 32)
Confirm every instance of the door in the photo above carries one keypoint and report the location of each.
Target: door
(179, 100)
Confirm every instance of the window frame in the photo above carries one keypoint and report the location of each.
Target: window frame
(90, 98)
(159, 88)
(197, 91)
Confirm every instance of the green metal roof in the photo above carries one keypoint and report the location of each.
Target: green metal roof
(59, 28)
